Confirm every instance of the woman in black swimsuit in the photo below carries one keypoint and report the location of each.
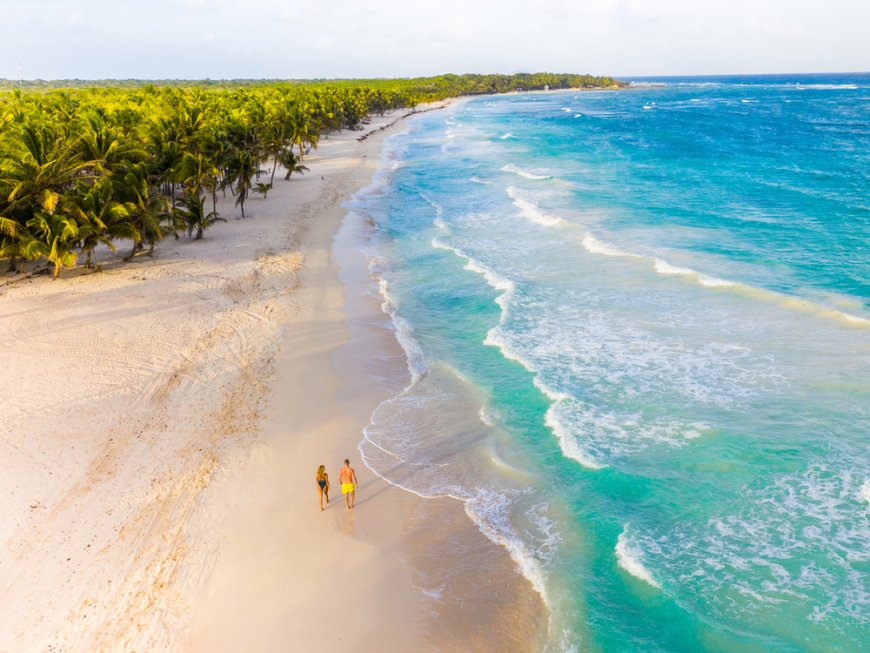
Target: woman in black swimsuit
(322, 479)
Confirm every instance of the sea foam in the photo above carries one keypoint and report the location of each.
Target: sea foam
(665, 268)
(595, 246)
(827, 87)
(417, 363)
(532, 211)
(494, 338)
(438, 220)
(494, 279)
(801, 537)
(630, 559)
(524, 173)
(570, 446)
(499, 531)
(414, 429)
(566, 417)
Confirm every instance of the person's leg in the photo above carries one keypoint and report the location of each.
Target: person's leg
(326, 494)
(320, 494)
(352, 495)
(346, 500)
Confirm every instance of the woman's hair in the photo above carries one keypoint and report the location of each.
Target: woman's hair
(321, 471)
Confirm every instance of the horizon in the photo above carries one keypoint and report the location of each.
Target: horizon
(407, 77)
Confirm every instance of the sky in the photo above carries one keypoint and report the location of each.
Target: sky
(293, 39)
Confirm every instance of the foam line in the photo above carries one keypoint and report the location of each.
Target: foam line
(494, 279)
(568, 444)
(487, 512)
(438, 221)
(523, 173)
(531, 211)
(630, 560)
(486, 508)
(789, 302)
(416, 359)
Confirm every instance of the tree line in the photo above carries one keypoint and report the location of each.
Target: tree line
(135, 163)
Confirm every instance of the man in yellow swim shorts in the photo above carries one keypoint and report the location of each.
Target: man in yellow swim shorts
(347, 477)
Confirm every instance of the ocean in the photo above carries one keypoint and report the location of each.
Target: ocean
(637, 326)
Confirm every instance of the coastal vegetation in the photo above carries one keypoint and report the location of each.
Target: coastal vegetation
(84, 164)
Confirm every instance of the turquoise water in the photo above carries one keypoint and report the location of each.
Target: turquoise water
(638, 325)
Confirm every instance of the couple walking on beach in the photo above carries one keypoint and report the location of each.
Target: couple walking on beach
(347, 478)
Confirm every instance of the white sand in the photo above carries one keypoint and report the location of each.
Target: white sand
(128, 392)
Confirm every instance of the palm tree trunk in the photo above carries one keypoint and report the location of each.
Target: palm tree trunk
(274, 168)
(56, 273)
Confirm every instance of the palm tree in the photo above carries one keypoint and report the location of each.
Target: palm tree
(275, 136)
(167, 152)
(148, 209)
(242, 168)
(195, 216)
(302, 130)
(37, 162)
(108, 144)
(100, 217)
(10, 244)
(292, 163)
(197, 173)
(54, 238)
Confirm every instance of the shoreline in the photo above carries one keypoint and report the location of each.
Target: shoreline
(316, 573)
(441, 536)
(386, 544)
(173, 510)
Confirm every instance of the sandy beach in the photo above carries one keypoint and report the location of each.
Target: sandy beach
(163, 421)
